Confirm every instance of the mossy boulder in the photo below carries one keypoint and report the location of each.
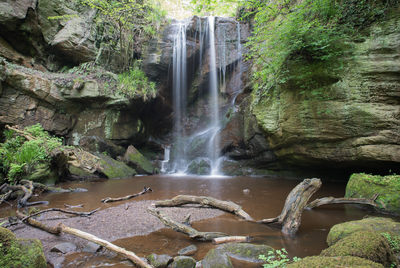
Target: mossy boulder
(334, 262)
(138, 161)
(220, 256)
(159, 261)
(364, 244)
(183, 262)
(199, 167)
(363, 185)
(375, 224)
(20, 252)
(112, 168)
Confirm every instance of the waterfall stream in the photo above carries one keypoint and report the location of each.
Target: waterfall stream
(196, 149)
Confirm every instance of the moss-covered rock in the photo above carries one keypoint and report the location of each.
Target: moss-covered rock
(159, 261)
(334, 262)
(199, 167)
(20, 252)
(136, 160)
(376, 224)
(219, 257)
(363, 185)
(364, 244)
(183, 262)
(113, 168)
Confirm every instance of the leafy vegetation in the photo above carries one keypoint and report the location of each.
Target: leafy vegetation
(277, 258)
(312, 30)
(135, 83)
(19, 156)
(214, 7)
(393, 240)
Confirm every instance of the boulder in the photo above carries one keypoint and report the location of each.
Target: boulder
(376, 224)
(364, 244)
(199, 167)
(112, 168)
(159, 261)
(183, 262)
(220, 256)
(64, 248)
(334, 262)
(12, 11)
(136, 160)
(187, 251)
(20, 252)
(363, 185)
(97, 144)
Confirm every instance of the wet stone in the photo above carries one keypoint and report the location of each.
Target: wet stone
(183, 262)
(159, 261)
(187, 251)
(56, 262)
(91, 247)
(64, 248)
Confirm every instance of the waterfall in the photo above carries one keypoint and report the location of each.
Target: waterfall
(164, 163)
(213, 145)
(179, 84)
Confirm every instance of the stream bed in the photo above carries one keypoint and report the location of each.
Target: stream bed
(128, 225)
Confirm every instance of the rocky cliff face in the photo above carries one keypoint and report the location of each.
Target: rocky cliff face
(349, 118)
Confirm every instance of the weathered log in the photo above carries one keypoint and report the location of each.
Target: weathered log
(183, 228)
(230, 239)
(82, 214)
(61, 228)
(205, 201)
(110, 199)
(296, 201)
(5, 196)
(341, 200)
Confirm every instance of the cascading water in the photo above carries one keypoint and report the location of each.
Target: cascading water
(213, 146)
(196, 146)
(179, 84)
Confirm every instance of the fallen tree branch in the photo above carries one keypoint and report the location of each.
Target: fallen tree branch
(205, 201)
(61, 228)
(296, 201)
(229, 239)
(5, 196)
(341, 200)
(110, 199)
(183, 228)
(82, 214)
(22, 133)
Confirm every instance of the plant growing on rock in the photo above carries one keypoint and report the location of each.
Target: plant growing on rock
(21, 155)
(277, 258)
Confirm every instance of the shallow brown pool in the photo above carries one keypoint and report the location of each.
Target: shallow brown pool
(261, 197)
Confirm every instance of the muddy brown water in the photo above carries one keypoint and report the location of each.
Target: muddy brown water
(261, 197)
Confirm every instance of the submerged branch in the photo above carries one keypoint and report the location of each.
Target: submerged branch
(342, 200)
(110, 199)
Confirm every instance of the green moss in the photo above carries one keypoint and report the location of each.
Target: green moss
(363, 185)
(114, 169)
(6, 237)
(183, 262)
(138, 161)
(334, 262)
(23, 253)
(364, 244)
(376, 224)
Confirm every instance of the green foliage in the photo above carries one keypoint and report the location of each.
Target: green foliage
(306, 31)
(393, 240)
(135, 20)
(19, 156)
(135, 83)
(214, 7)
(277, 258)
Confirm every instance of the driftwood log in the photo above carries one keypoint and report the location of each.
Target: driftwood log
(183, 228)
(205, 201)
(296, 201)
(61, 228)
(76, 213)
(342, 200)
(110, 199)
(230, 239)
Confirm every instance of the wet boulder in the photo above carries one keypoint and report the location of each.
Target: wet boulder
(64, 248)
(220, 256)
(187, 251)
(364, 244)
(159, 261)
(376, 224)
(138, 161)
(112, 168)
(199, 167)
(363, 185)
(96, 144)
(20, 252)
(183, 262)
(334, 262)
